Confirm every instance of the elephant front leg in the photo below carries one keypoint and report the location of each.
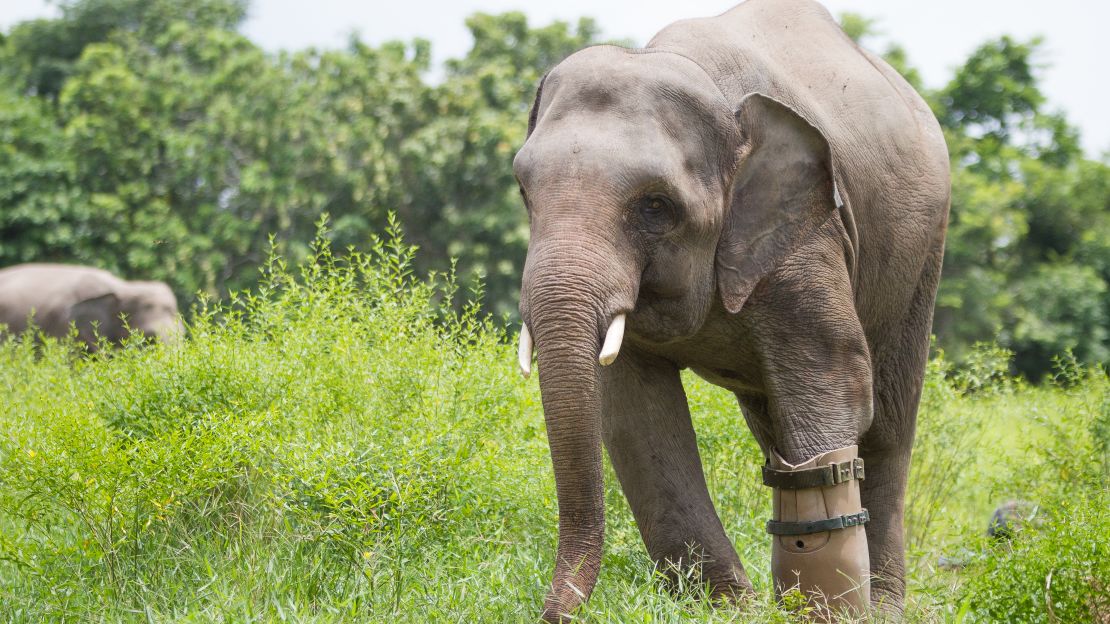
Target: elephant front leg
(815, 406)
(651, 443)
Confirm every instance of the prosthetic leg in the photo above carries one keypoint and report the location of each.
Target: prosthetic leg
(819, 542)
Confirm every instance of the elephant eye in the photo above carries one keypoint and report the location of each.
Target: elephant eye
(657, 213)
(524, 197)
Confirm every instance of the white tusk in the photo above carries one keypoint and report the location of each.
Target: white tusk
(524, 351)
(613, 338)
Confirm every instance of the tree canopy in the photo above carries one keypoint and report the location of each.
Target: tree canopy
(151, 138)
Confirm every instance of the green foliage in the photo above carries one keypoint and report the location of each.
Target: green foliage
(951, 434)
(1057, 567)
(41, 53)
(43, 216)
(340, 444)
(1056, 572)
(1061, 306)
(458, 166)
(300, 429)
(1022, 263)
(985, 370)
(995, 90)
(984, 439)
(944, 450)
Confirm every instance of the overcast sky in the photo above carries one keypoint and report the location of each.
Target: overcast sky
(938, 34)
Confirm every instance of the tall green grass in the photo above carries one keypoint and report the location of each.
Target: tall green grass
(341, 444)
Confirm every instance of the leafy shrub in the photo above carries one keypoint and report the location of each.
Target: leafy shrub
(986, 368)
(333, 421)
(1056, 567)
(1060, 307)
(340, 444)
(1055, 570)
(947, 438)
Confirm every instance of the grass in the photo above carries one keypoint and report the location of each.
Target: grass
(340, 445)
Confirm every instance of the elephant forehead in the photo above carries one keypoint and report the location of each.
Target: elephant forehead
(634, 112)
(606, 77)
(635, 84)
(615, 154)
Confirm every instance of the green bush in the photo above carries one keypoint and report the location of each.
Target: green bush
(341, 444)
(1055, 569)
(334, 428)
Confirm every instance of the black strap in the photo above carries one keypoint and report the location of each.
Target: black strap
(821, 476)
(778, 527)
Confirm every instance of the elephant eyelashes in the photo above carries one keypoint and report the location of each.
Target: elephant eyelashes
(524, 197)
(657, 213)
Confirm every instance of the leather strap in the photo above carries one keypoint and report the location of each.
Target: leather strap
(778, 527)
(821, 476)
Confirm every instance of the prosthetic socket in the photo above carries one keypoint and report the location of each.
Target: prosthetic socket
(819, 542)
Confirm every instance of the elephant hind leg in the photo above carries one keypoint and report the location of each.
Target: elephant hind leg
(653, 448)
(899, 367)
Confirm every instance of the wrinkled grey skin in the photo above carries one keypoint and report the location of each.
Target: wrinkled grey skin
(745, 270)
(58, 295)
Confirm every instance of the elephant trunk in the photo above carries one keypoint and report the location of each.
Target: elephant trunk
(569, 382)
(568, 309)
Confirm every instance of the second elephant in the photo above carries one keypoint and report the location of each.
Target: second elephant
(54, 296)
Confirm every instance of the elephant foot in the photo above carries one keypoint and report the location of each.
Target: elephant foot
(732, 593)
(723, 584)
(564, 599)
(559, 611)
(886, 606)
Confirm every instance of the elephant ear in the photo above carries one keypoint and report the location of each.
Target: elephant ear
(782, 191)
(101, 310)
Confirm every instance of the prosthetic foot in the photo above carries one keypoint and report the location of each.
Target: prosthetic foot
(819, 542)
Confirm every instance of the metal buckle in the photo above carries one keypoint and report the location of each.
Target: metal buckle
(820, 476)
(806, 527)
(847, 471)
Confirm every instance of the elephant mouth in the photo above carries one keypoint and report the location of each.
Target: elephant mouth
(610, 347)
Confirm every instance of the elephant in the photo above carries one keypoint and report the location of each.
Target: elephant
(55, 296)
(756, 198)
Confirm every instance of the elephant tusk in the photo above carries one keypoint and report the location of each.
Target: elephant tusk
(524, 351)
(613, 338)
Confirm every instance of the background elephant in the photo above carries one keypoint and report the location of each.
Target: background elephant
(756, 198)
(58, 294)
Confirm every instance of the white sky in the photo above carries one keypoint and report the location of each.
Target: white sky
(938, 34)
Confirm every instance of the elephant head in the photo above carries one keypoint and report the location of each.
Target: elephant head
(650, 201)
(149, 307)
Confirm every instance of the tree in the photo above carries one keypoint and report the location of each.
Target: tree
(42, 211)
(43, 52)
(1021, 262)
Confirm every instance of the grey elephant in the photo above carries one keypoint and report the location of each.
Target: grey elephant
(54, 296)
(754, 197)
